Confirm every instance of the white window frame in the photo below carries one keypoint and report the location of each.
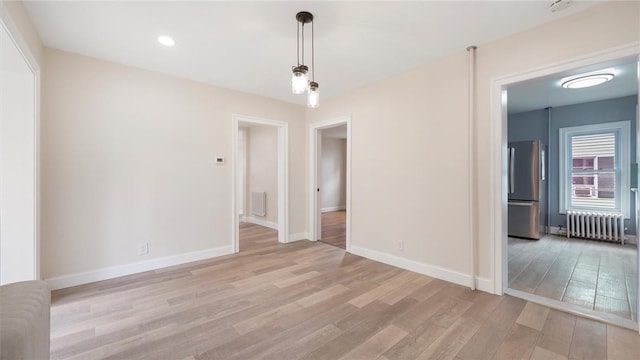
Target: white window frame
(623, 160)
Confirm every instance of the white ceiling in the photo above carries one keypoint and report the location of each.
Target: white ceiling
(547, 91)
(251, 46)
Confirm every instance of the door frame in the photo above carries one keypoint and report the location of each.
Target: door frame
(498, 153)
(283, 175)
(13, 31)
(314, 201)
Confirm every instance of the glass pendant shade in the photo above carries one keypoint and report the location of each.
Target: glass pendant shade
(313, 98)
(299, 80)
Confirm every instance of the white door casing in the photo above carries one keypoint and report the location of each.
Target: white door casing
(19, 156)
(283, 175)
(314, 177)
(498, 173)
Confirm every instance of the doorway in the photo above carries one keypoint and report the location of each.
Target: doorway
(557, 271)
(19, 127)
(330, 174)
(260, 188)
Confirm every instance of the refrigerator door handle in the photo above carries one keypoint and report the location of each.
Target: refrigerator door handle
(512, 159)
(542, 166)
(521, 203)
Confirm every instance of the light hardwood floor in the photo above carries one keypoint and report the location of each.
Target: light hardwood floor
(334, 230)
(595, 275)
(308, 300)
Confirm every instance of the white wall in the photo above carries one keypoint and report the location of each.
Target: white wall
(415, 188)
(334, 174)
(128, 157)
(409, 164)
(262, 170)
(18, 165)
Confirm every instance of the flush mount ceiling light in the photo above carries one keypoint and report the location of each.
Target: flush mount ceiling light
(300, 82)
(166, 40)
(583, 81)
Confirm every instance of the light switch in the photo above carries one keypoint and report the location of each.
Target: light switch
(219, 160)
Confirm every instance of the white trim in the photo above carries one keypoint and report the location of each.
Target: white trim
(313, 185)
(484, 284)
(422, 268)
(298, 236)
(498, 218)
(7, 22)
(12, 29)
(265, 223)
(64, 281)
(283, 175)
(498, 141)
(333, 208)
(471, 153)
(637, 202)
(622, 151)
(556, 230)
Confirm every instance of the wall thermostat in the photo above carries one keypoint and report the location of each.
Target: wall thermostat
(219, 160)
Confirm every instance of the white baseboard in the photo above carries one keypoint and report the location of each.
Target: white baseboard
(298, 236)
(484, 284)
(556, 230)
(65, 281)
(438, 272)
(261, 222)
(333, 208)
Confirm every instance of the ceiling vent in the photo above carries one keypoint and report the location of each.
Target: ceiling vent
(559, 5)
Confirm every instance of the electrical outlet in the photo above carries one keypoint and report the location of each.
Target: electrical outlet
(400, 245)
(143, 248)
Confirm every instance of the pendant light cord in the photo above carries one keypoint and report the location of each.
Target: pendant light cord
(298, 41)
(313, 56)
(302, 44)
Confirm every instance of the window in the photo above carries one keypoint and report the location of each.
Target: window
(594, 163)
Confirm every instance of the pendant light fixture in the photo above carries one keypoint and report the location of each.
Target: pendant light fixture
(300, 82)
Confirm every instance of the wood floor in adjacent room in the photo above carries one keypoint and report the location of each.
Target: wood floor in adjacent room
(596, 275)
(308, 300)
(334, 230)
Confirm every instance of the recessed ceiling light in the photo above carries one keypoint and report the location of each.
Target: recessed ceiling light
(559, 5)
(166, 41)
(582, 81)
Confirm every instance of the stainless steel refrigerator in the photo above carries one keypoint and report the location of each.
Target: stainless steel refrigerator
(527, 189)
